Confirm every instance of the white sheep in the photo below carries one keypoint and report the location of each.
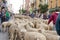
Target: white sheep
(12, 30)
(34, 36)
(51, 36)
(7, 24)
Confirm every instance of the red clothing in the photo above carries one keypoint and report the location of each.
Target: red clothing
(53, 18)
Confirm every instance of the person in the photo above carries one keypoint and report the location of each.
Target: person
(31, 10)
(7, 15)
(3, 17)
(57, 25)
(0, 15)
(0, 18)
(44, 16)
(49, 15)
(1, 3)
(32, 15)
(53, 18)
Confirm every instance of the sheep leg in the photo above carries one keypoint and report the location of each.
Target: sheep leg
(3, 28)
(15, 35)
(11, 36)
(22, 38)
(7, 29)
(18, 37)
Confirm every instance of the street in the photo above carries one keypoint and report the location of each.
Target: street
(3, 36)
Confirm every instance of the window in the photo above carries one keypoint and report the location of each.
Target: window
(40, 0)
(46, 1)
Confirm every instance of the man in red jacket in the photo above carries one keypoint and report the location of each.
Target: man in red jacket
(53, 18)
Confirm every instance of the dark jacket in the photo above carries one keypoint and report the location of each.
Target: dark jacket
(53, 18)
(57, 25)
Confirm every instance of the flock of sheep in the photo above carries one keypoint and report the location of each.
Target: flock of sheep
(25, 28)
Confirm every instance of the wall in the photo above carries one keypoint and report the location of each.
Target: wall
(53, 4)
(27, 4)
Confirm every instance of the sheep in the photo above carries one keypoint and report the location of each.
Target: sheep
(23, 28)
(25, 35)
(12, 26)
(38, 23)
(45, 21)
(29, 28)
(7, 24)
(12, 31)
(51, 36)
(19, 30)
(51, 32)
(21, 17)
(45, 26)
(20, 34)
(34, 36)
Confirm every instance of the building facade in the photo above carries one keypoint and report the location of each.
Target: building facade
(27, 6)
(37, 2)
(53, 3)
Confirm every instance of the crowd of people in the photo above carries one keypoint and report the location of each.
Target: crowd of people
(36, 14)
(4, 13)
